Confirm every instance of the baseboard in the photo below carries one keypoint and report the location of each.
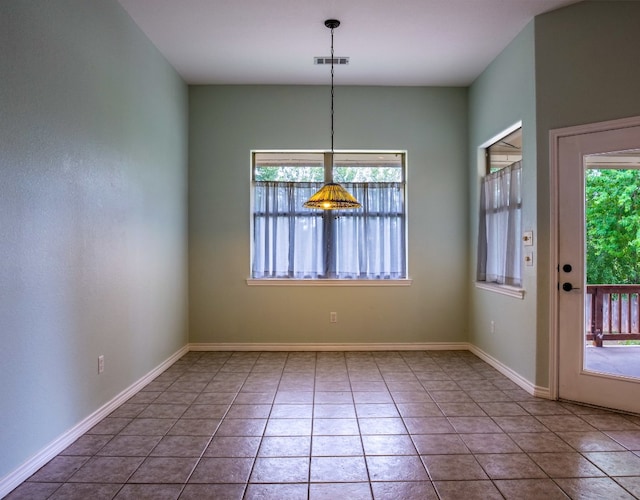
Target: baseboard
(541, 392)
(409, 346)
(534, 390)
(15, 478)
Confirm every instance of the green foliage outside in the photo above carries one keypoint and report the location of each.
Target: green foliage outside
(367, 174)
(290, 174)
(340, 174)
(613, 226)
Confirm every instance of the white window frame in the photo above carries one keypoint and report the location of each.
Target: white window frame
(339, 282)
(508, 290)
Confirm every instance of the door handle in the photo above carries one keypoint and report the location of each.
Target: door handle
(567, 287)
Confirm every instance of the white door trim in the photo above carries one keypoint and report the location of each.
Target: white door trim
(554, 140)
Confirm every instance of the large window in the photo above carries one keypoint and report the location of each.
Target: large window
(500, 228)
(290, 241)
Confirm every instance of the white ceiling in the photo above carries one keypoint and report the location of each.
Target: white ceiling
(389, 42)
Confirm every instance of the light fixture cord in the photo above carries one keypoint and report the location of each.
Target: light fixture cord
(332, 95)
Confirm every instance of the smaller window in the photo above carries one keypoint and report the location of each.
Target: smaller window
(504, 152)
(500, 225)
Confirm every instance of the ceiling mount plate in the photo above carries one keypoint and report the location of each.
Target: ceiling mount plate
(332, 23)
(339, 61)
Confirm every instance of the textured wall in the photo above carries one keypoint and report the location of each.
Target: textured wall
(568, 67)
(226, 123)
(503, 95)
(586, 71)
(92, 215)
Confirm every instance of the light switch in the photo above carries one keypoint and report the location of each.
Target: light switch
(527, 238)
(528, 259)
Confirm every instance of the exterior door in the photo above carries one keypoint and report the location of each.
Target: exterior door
(580, 378)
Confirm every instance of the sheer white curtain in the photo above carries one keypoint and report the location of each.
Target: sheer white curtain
(290, 241)
(371, 240)
(287, 238)
(499, 246)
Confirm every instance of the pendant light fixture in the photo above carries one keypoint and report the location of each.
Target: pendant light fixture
(332, 195)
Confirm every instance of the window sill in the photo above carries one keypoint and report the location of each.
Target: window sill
(509, 291)
(324, 282)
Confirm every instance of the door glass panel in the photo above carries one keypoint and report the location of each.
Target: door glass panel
(612, 230)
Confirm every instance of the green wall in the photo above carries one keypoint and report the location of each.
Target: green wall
(572, 66)
(227, 122)
(503, 95)
(587, 70)
(93, 202)
(93, 185)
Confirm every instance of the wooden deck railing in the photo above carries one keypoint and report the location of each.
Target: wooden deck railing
(612, 313)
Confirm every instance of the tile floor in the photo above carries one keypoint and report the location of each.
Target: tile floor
(348, 425)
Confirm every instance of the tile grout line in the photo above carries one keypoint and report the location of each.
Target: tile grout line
(457, 369)
(208, 443)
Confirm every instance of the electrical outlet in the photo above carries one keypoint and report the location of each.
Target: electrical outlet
(493, 326)
(333, 317)
(101, 363)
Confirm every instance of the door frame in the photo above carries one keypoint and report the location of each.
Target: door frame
(554, 165)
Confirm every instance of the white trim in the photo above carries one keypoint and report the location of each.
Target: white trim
(336, 151)
(509, 291)
(541, 392)
(534, 390)
(409, 346)
(589, 128)
(341, 282)
(12, 480)
(501, 135)
(481, 171)
(327, 282)
(554, 139)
